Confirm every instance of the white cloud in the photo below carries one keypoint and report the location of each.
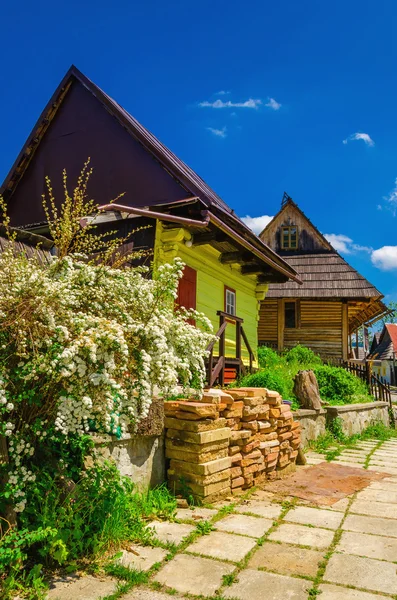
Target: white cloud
(257, 224)
(251, 103)
(344, 244)
(391, 199)
(218, 132)
(222, 93)
(365, 137)
(272, 103)
(385, 258)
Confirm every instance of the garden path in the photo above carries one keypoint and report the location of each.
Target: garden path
(261, 548)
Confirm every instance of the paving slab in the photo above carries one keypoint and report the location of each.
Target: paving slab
(147, 594)
(371, 546)
(244, 525)
(302, 535)
(258, 585)
(384, 484)
(382, 495)
(372, 575)
(262, 509)
(379, 469)
(286, 559)
(373, 525)
(370, 508)
(335, 592)
(141, 558)
(350, 458)
(225, 546)
(173, 533)
(340, 506)
(195, 514)
(305, 515)
(193, 574)
(81, 588)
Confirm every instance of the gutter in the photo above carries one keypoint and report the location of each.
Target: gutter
(208, 218)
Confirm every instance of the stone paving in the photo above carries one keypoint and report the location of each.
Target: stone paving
(262, 549)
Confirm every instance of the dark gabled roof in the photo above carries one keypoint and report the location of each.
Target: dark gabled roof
(325, 275)
(189, 180)
(387, 347)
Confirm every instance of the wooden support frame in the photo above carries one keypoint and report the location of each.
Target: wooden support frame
(345, 331)
(280, 324)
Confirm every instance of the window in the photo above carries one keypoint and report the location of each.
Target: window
(289, 237)
(290, 315)
(230, 301)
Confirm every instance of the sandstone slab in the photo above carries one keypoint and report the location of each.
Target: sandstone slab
(260, 508)
(286, 559)
(224, 546)
(172, 533)
(257, 585)
(305, 515)
(302, 536)
(370, 546)
(373, 525)
(195, 514)
(208, 468)
(193, 574)
(371, 575)
(199, 437)
(141, 558)
(201, 426)
(336, 592)
(245, 525)
(368, 507)
(81, 588)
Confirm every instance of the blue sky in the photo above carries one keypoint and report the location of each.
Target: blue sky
(299, 79)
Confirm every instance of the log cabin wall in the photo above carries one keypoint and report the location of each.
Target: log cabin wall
(319, 326)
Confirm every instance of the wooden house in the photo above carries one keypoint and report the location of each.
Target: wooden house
(334, 300)
(228, 268)
(383, 354)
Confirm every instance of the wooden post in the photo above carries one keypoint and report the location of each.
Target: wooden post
(222, 351)
(280, 324)
(238, 345)
(345, 331)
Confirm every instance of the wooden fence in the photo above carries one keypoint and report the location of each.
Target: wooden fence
(378, 386)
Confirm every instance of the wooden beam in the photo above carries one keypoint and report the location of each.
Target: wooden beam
(253, 268)
(272, 278)
(280, 324)
(345, 332)
(234, 257)
(199, 239)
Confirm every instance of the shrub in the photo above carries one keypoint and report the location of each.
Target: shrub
(268, 357)
(338, 386)
(270, 379)
(302, 356)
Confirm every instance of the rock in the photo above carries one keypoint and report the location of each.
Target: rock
(181, 503)
(306, 390)
(185, 425)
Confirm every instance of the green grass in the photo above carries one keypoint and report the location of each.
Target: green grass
(333, 441)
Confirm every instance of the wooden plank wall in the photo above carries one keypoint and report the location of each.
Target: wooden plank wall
(320, 327)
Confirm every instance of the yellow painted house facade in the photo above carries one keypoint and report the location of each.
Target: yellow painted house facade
(228, 268)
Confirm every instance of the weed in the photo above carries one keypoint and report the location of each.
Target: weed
(228, 579)
(204, 527)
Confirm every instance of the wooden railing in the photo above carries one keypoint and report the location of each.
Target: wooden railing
(378, 386)
(216, 365)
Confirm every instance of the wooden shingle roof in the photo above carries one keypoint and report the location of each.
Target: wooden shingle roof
(325, 275)
(28, 243)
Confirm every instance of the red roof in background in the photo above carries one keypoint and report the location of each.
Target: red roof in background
(392, 330)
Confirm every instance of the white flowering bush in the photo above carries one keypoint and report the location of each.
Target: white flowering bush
(83, 346)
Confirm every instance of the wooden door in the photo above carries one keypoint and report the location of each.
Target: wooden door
(187, 289)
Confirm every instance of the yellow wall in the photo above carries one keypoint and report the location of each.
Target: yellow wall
(212, 276)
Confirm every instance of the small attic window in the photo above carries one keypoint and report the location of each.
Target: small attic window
(289, 237)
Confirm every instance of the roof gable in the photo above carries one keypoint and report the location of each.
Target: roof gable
(309, 237)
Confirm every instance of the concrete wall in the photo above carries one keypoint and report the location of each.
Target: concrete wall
(312, 423)
(356, 417)
(140, 457)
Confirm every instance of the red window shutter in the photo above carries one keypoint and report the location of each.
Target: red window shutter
(187, 289)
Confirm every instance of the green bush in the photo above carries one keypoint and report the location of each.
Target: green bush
(268, 357)
(271, 379)
(303, 356)
(338, 386)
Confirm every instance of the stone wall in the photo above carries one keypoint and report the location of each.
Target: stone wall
(357, 417)
(312, 423)
(140, 457)
(229, 441)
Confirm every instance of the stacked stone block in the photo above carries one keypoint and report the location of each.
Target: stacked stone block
(229, 441)
(197, 446)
